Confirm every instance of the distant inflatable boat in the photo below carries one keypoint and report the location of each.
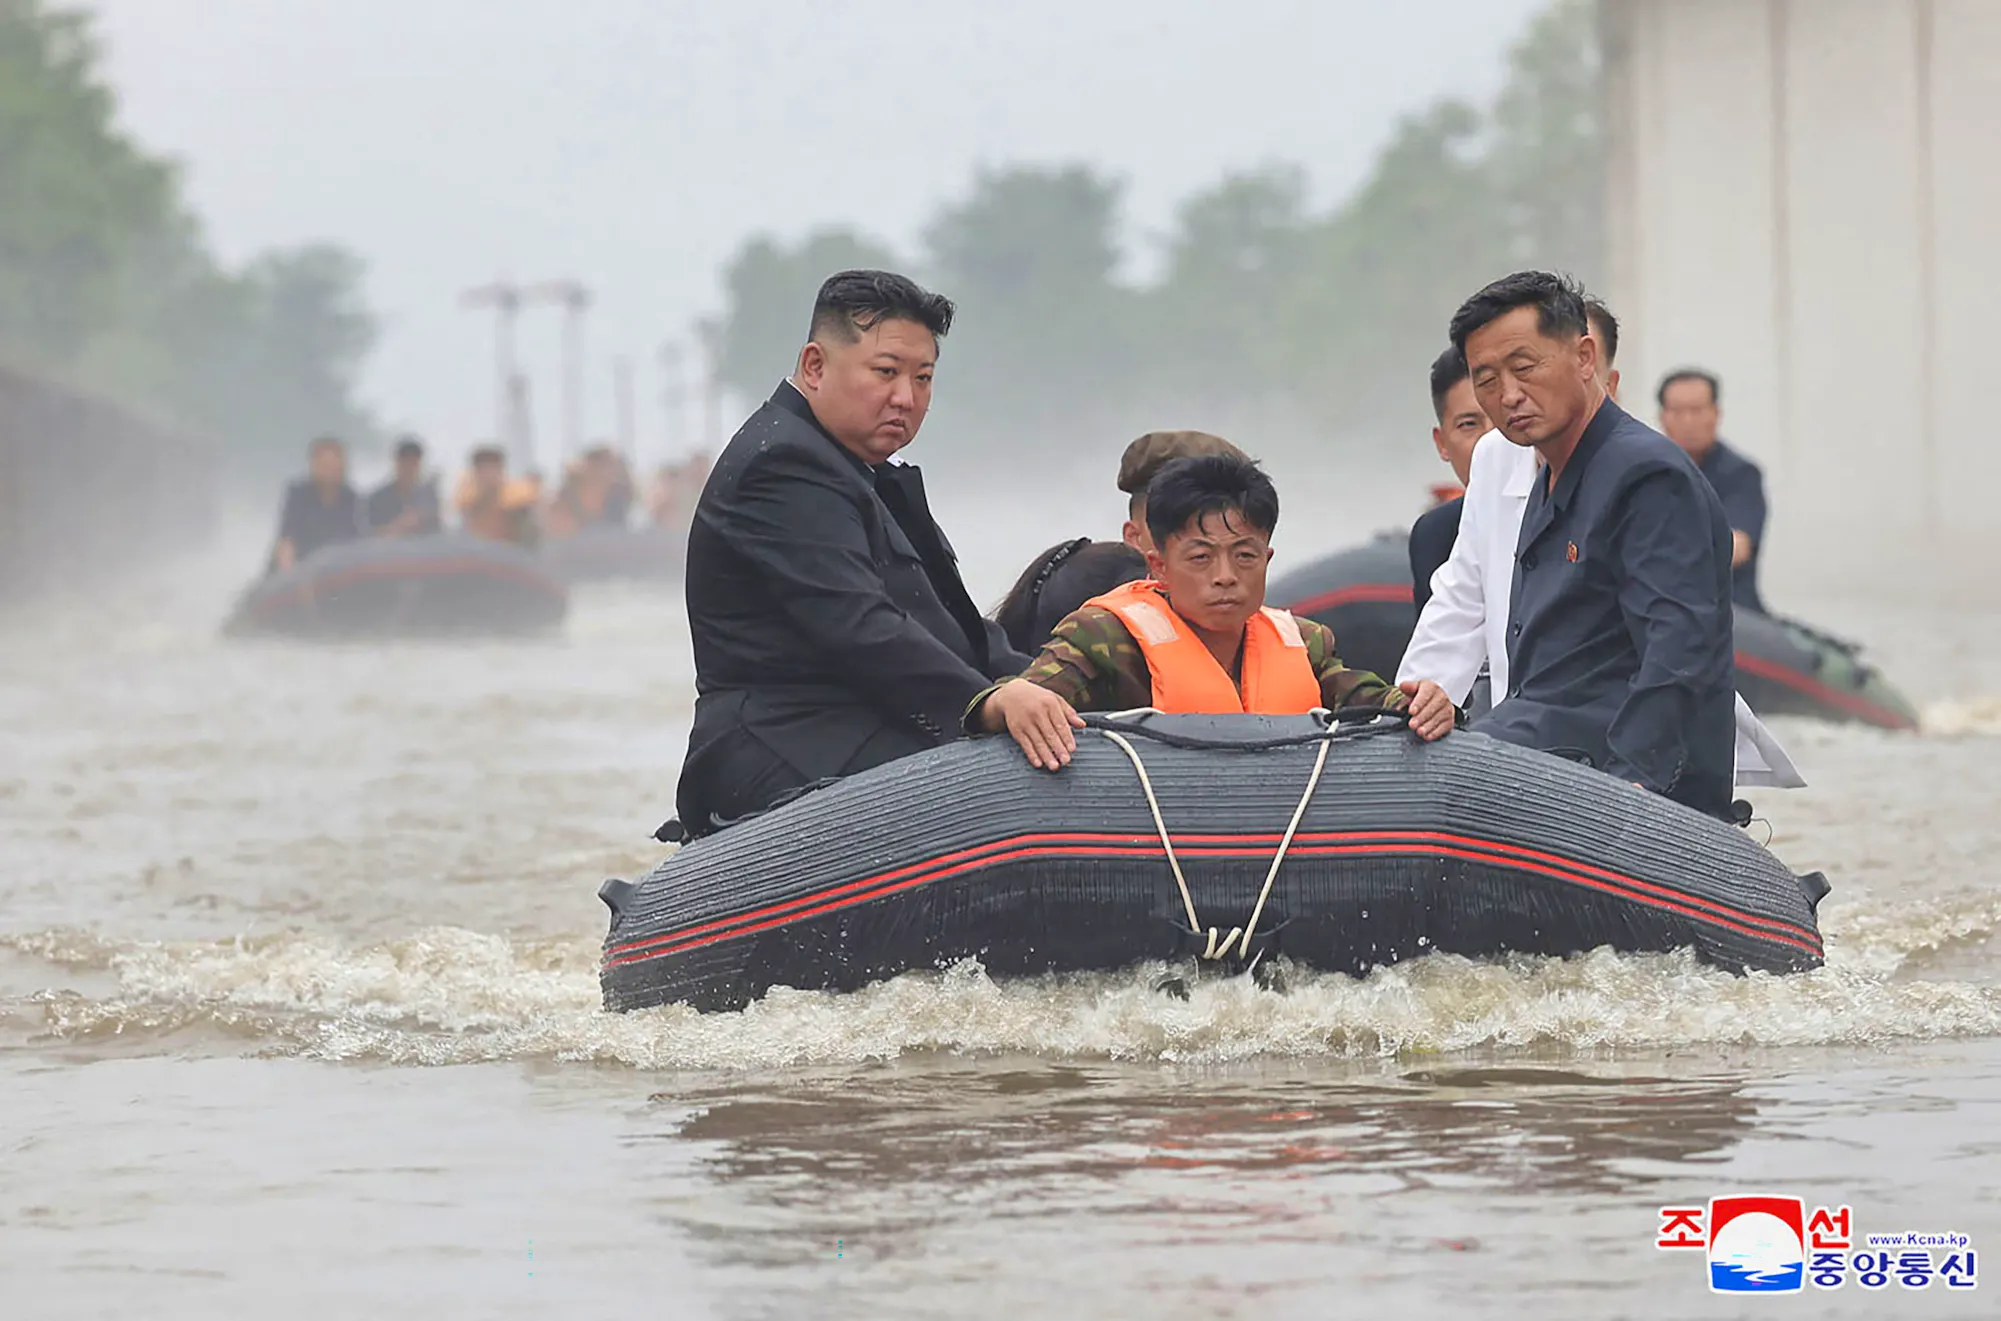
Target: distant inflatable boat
(450, 584)
(1363, 594)
(1783, 668)
(1787, 668)
(614, 554)
(1234, 839)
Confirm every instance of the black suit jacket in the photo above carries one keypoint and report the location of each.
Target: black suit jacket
(1431, 539)
(1620, 629)
(831, 629)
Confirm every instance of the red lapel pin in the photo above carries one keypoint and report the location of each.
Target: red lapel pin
(1571, 554)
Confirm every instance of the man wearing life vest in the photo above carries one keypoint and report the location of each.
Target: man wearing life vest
(492, 506)
(1196, 636)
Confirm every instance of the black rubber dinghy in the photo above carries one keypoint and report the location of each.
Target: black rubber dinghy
(1787, 668)
(1783, 667)
(1400, 848)
(450, 584)
(1363, 594)
(616, 554)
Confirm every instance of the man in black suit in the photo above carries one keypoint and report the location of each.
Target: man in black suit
(831, 630)
(1619, 634)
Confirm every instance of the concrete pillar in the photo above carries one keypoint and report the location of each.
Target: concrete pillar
(1803, 198)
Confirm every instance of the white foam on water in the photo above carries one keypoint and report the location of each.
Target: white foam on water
(1980, 715)
(447, 995)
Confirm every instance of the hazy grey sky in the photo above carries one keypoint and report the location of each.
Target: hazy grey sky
(635, 143)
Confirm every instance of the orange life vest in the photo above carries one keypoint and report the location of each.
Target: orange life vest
(1278, 678)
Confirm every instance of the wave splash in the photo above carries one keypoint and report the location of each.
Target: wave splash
(1980, 715)
(446, 995)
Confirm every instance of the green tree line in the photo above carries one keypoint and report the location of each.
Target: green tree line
(1336, 314)
(107, 283)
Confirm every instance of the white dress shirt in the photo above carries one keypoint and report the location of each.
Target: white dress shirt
(1465, 623)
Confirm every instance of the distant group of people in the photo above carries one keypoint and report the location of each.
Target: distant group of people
(597, 491)
(1590, 565)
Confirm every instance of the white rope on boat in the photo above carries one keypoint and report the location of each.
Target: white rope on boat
(1238, 937)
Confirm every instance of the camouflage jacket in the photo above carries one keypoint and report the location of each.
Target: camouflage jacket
(1093, 663)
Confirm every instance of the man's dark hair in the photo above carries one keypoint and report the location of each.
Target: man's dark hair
(852, 303)
(1605, 326)
(1447, 370)
(1690, 374)
(489, 454)
(1191, 489)
(1557, 299)
(409, 448)
(325, 442)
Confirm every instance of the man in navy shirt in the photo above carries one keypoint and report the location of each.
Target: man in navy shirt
(322, 510)
(1619, 643)
(1689, 414)
(407, 504)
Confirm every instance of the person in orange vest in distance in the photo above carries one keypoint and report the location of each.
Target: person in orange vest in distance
(1196, 636)
(494, 507)
(676, 488)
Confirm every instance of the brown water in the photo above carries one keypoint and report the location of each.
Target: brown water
(298, 1007)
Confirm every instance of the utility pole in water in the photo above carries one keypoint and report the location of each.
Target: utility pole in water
(521, 425)
(709, 334)
(673, 398)
(505, 300)
(575, 300)
(621, 393)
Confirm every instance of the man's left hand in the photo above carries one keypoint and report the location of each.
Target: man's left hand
(1431, 711)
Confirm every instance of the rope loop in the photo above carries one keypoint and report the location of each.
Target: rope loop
(1217, 944)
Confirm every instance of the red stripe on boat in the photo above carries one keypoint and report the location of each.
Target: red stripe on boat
(469, 565)
(1080, 846)
(1356, 594)
(1215, 846)
(1853, 703)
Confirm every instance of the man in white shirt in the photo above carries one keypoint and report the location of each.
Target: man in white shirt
(1464, 626)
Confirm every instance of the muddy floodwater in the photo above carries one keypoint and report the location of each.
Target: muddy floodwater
(299, 1009)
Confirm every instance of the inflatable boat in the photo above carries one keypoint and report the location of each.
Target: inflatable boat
(405, 587)
(1363, 594)
(613, 554)
(1783, 667)
(1228, 840)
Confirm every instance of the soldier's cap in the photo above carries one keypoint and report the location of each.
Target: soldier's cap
(1156, 449)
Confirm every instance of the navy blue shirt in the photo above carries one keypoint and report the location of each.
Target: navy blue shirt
(309, 522)
(1741, 487)
(389, 502)
(1431, 539)
(1619, 640)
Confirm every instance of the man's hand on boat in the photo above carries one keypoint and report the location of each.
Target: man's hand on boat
(1045, 725)
(1040, 721)
(1431, 712)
